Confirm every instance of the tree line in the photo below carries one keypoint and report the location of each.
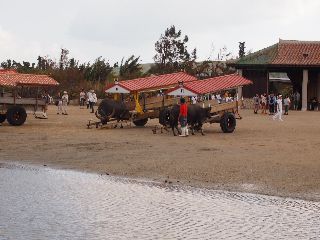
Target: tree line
(172, 55)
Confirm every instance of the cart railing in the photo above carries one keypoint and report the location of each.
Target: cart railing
(21, 101)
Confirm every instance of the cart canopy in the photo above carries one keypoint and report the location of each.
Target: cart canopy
(12, 79)
(209, 85)
(149, 83)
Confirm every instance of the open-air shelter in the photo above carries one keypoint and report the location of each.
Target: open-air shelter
(299, 59)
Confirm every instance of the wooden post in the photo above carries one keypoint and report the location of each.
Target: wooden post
(37, 99)
(305, 90)
(14, 95)
(144, 101)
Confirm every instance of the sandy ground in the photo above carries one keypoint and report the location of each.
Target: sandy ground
(261, 156)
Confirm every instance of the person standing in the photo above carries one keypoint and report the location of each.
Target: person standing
(92, 100)
(271, 104)
(65, 100)
(286, 103)
(87, 98)
(279, 109)
(256, 102)
(82, 98)
(59, 103)
(296, 100)
(264, 103)
(193, 100)
(183, 113)
(46, 98)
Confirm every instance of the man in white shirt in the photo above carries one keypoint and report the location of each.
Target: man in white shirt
(65, 100)
(92, 100)
(193, 100)
(218, 97)
(279, 109)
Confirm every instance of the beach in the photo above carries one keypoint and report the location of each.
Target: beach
(261, 156)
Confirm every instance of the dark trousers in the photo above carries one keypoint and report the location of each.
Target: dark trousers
(91, 106)
(271, 108)
(82, 100)
(286, 109)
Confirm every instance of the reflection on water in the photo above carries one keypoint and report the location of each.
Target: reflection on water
(56, 204)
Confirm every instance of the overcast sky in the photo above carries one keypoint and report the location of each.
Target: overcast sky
(120, 28)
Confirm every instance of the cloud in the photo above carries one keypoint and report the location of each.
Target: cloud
(116, 29)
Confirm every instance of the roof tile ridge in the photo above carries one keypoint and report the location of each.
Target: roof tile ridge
(298, 42)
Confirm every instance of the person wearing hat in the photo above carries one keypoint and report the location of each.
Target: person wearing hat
(92, 100)
(183, 113)
(65, 100)
(279, 109)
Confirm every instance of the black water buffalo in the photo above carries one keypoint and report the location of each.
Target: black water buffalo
(168, 117)
(110, 108)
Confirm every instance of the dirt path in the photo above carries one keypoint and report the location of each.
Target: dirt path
(262, 155)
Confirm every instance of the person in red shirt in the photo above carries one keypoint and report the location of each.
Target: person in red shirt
(183, 113)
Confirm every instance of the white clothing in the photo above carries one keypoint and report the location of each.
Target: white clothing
(82, 95)
(194, 101)
(65, 98)
(279, 110)
(59, 106)
(93, 97)
(218, 98)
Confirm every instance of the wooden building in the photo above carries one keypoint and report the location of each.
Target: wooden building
(299, 59)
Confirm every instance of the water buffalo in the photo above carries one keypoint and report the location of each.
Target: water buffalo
(111, 109)
(168, 117)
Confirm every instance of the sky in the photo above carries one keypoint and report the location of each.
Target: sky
(120, 28)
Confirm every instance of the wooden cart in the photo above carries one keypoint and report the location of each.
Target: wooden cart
(14, 108)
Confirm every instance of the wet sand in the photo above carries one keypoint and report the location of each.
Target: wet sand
(261, 156)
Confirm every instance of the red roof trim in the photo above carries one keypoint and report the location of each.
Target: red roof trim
(118, 84)
(154, 82)
(214, 84)
(10, 78)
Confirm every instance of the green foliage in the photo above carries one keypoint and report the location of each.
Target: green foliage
(242, 48)
(208, 69)
(130, 68)
(172, 54)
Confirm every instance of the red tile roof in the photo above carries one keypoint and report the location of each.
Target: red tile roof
(12, 78)
(154, 82)
(215, 84)
(284, 53)
(297, 53)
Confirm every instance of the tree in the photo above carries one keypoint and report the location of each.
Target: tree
(98, 71)
(130, 68)
(64, 59)
(7, 64)
(242, 48)
(224, 54)
(172, 53)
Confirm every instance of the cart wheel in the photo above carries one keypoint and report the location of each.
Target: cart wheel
(2, 118)
(16, 115)
(228, 122)
(141, 122)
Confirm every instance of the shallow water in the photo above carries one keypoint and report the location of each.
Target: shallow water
(56, 204)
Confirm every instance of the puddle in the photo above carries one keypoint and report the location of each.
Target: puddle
(56, 204)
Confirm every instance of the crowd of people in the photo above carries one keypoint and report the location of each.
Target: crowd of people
(88, 99)
(219, 97)
(275, 103)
